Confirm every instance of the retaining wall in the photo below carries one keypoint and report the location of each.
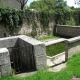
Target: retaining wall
(27, 29)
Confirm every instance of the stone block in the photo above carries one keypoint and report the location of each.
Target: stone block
(6, 69)
(41, 60)
(4, 56)
(40, 67)
(39, 49)
(11, 42)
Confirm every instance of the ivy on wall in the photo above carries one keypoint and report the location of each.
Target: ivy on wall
(13, 18)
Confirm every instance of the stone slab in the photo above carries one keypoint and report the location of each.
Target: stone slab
(54, 41)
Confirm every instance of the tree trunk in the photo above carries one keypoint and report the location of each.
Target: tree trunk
(22, 7)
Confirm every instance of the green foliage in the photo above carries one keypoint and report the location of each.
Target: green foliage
(44, 19)
(38, 5)
(55, 49)
(48, 5)
(11, 18)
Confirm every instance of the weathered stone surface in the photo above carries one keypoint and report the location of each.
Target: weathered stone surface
(30, 40)
(38, 51)
(6, 69)
(4, 56)
(54, 41)
(1, 59)
(41, 59)
(2, 43)
(70, 31)
(40, 67)
(11, 42)
(8, 42)
(0, 74)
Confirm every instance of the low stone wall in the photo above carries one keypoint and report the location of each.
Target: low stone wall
(54, 41)
(67, 31)
(72, 47)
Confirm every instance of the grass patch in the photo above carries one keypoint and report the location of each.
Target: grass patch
(73, 69)
(55, 49)
(47, 37)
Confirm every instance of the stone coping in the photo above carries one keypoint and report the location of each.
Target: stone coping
(54, 41)
(2, 50)
(25, 38)
(30, 40)
(73, 39)
(68, 26)
(50, 57)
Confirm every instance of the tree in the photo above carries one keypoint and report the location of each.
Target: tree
(22, 2)
(38, 5)
(48, 5)
(61, 4)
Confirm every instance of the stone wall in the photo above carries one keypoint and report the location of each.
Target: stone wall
(26, 29)
(67, 31)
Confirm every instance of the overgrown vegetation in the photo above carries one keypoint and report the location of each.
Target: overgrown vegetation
(55, 49)
(73, 69)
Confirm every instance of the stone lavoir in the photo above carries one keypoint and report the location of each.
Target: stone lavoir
(21, 52)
